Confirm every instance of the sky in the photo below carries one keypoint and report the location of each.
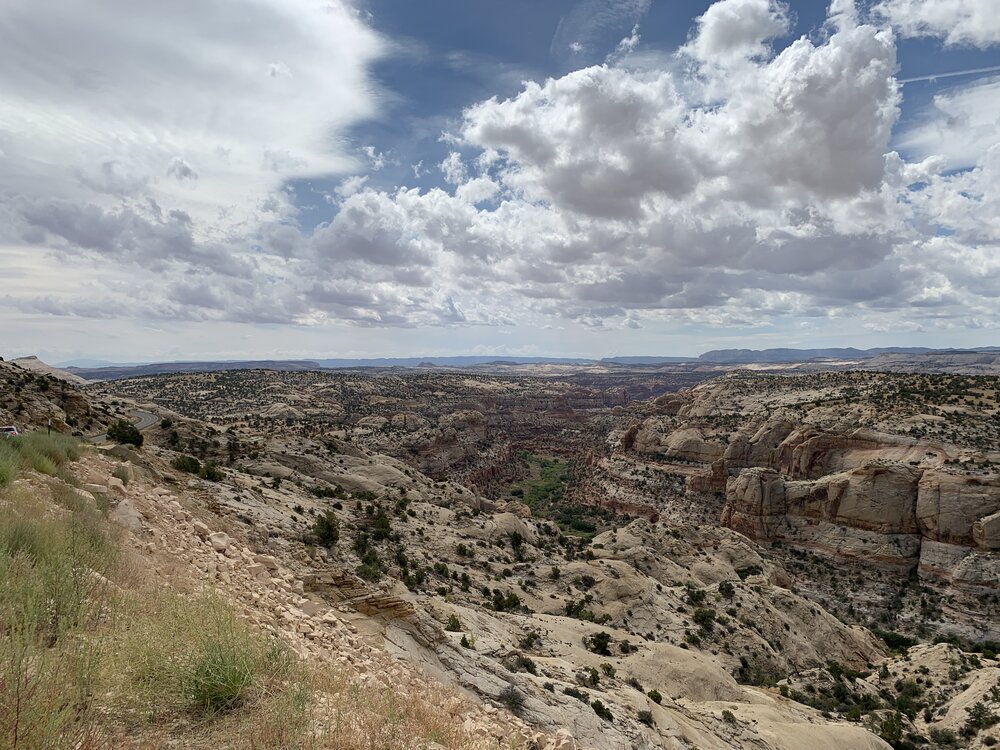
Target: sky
(243, 179)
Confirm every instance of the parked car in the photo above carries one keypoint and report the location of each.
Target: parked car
(9, 432)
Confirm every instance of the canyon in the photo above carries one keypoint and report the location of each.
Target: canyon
(634, 559)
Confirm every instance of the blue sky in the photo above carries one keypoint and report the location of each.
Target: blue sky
(574, 177)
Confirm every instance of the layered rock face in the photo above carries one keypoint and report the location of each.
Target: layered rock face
(817, 469)
(865, 513)
(959, 509)
(940, 520)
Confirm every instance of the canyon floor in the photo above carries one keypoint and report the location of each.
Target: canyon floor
(550, 557)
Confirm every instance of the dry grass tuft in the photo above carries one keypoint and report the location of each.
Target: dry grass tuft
(191, 658)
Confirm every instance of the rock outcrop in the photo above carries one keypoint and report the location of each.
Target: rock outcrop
(951, 504)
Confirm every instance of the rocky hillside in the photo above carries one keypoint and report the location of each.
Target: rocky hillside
(30, 395)
(533, 616)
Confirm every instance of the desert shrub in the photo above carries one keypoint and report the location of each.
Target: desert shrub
(211, 472)
(907, 701)
(125, 432)
(646, 717)
(654, 695)
(728, 716)
(47, 565)
(580, 695)
(599, 643)
(454, 624)
(978, 717)
(511, 697)
(531, 640)
(579, 610)
(58, 448)
(704, 618)
(891, 728)
(520, 663)
(509, 602)
(896, 641)
(758, 672)
(327, 530)
(381, 529)
(695, 596)
(943, 737)
(371, 567)
(727, 590)
(601, 710)
(38, 461)
(187, 464)
(220, 677)
(120, 472)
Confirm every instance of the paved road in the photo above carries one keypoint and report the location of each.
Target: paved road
(146, 419)
(141, 419)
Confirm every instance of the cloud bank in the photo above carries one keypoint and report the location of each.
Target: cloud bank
(738, 184)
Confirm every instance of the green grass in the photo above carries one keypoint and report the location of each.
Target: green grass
(36, 450)
(53, 570)
(10, 461)
(544, 492)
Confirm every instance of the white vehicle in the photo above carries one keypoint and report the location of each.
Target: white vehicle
(9, 432)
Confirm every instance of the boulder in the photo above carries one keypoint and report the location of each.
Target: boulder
(268, 561)
(127, 516)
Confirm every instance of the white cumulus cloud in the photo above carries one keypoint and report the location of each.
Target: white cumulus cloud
(968, 22)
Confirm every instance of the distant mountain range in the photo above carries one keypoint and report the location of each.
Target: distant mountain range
(101, 370)
(464, 361)
(771, 356)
